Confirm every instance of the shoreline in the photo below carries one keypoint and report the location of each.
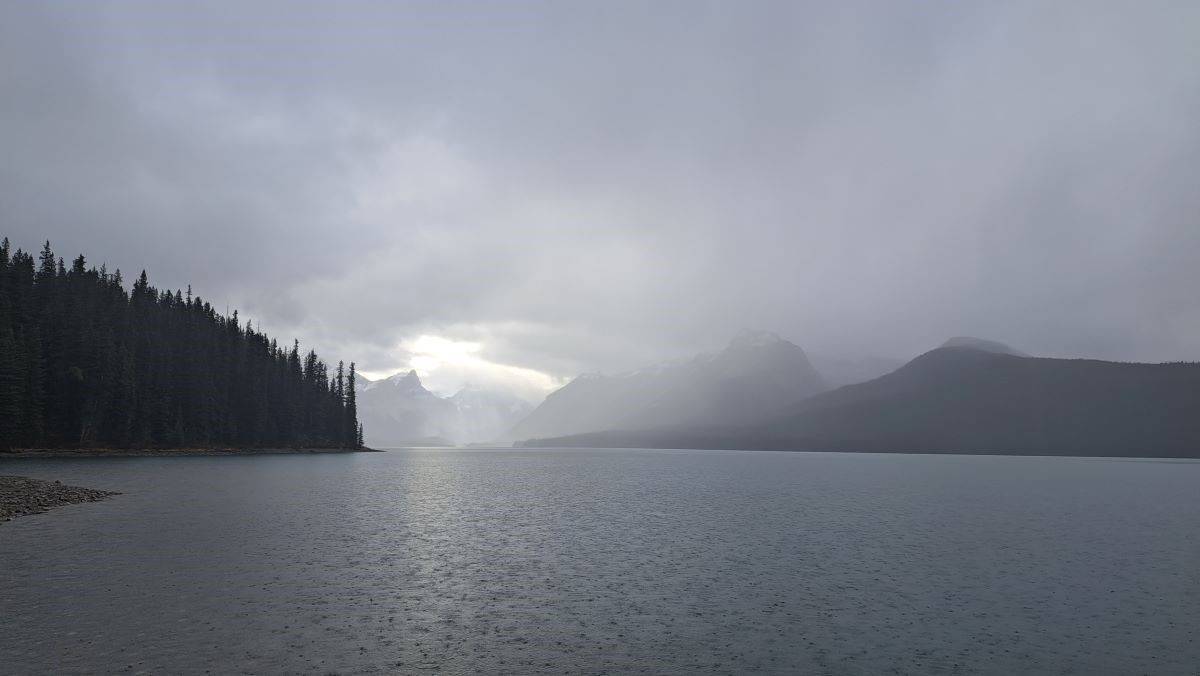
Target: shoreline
(22, 496)
(26, 453)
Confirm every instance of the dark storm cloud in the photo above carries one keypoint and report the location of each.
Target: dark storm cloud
(591, 186)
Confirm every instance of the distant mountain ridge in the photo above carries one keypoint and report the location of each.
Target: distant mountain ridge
(757, 372)
(399, 411)
(983, 345)
(968, 397)
(839, 371)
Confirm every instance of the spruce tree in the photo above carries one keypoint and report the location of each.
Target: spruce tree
(351, 411)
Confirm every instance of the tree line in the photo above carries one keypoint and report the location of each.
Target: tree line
(85, 363)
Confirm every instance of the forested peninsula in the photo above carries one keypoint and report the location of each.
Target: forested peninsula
(86, 364)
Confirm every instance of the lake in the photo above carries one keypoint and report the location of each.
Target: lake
(607, 561)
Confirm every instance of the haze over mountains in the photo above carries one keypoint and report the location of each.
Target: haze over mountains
(845, 370)
(970, 396)
(399, 411)
(756, 374)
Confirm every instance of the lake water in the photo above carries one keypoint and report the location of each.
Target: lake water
(523, 561)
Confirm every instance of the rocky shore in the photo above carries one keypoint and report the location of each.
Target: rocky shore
(20, 496)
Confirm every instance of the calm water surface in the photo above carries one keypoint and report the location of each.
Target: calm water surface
(520, 561)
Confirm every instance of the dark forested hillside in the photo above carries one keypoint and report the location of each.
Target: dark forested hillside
(85, 363)
(967, 399)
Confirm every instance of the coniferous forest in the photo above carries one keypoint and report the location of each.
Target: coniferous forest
(86, 364)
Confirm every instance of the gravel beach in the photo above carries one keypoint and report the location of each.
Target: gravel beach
(20, 496)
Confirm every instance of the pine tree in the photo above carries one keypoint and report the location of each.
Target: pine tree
(351, 414)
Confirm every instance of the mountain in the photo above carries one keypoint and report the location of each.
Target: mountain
(757, 373)
(983, 345)
(399, 411)
(963, 398)
(840, 371)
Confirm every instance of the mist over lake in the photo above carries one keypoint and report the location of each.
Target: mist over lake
(841, 337)
(553, 561)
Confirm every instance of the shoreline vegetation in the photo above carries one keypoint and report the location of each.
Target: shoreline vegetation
(166, 452)
(86, 362)
(22, 496)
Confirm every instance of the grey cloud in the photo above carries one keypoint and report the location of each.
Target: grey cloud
(585, 186)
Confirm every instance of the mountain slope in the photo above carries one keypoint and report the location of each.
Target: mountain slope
(399, 411)
(839, 371)
(485, 415)
(756, 374)
(983, 345)
(968, 400)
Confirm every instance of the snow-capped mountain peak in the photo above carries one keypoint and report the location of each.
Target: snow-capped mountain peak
(408, 380)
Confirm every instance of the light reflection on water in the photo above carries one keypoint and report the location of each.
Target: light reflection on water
(521, 561)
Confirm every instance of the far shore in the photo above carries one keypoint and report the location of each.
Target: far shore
(164, 452)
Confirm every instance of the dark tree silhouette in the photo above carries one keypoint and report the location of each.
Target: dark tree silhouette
(85, 363)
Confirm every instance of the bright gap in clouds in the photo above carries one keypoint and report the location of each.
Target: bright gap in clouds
(446, 366)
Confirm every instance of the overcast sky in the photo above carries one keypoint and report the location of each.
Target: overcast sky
(520, 192)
